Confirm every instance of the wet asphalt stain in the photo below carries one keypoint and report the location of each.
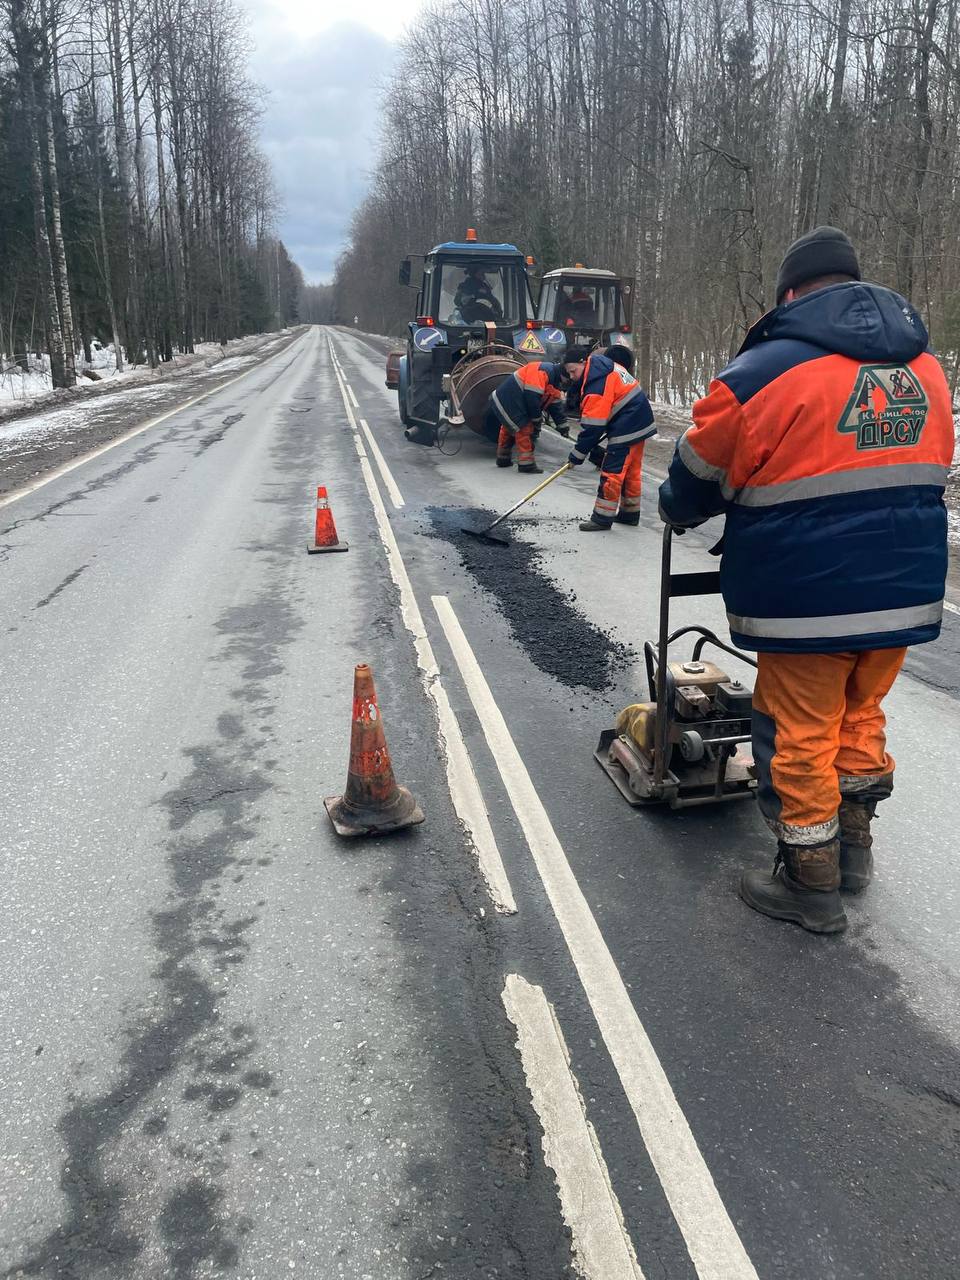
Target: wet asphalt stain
(183, 1041)
(71, 577)
(545, 621)
(214, 437)
(142, 456)
(196, 944)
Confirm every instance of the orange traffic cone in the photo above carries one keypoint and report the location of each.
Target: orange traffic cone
(372, 801)
(325, 538)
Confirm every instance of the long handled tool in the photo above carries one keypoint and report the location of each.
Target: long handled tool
(486, 535)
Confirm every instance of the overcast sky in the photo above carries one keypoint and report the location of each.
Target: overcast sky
(323, 71)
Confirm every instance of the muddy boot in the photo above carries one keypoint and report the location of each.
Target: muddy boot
(856, 843)
(803, 887)
(857, 811)
(593, 526)
(530, 469)
(506, 461)
(627, 517)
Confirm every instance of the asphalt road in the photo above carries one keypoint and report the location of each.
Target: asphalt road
(235, 1045)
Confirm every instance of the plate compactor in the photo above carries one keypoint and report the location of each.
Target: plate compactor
(689, 745)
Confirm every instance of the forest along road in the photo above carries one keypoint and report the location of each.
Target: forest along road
(538, 1036)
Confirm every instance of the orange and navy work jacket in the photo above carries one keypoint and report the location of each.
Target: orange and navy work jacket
(612, 404)
(827, 444)
(527, 394)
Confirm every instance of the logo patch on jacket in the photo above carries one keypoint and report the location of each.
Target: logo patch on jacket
(888, 407)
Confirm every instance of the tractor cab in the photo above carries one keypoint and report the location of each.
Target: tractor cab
(588, 305)
(472, 297)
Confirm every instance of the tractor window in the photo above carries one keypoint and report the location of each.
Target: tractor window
(548, 301)
(473, 293)
(590, 304)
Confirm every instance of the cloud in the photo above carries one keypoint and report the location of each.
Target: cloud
(321, 131)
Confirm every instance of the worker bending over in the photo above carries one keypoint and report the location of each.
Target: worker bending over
(612, 405)
(826, 444)
(517, 406)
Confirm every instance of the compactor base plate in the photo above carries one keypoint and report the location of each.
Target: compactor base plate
(631, 771)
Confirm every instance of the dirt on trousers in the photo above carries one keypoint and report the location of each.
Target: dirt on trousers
(544, 620)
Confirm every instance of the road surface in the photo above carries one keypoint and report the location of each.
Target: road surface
(538, 1036)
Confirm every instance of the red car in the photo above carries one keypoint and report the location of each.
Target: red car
(393, 370)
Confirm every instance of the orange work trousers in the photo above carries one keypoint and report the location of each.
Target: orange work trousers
(524, 440)
(819, 732)
(621, 480)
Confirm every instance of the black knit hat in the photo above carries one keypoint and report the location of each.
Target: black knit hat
(824, 251)
(575, 355)
(620, 354)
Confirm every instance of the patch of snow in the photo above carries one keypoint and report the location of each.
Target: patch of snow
(74, 417)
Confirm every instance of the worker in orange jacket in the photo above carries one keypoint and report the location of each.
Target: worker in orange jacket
(826, 443)
(613, 408)
(517, 406)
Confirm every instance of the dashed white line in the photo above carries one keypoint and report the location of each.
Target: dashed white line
(461, 779)
(601, 1245)
(953, 608)
(396, 497)
(74, 463)
(711, 1238)
(353, 399)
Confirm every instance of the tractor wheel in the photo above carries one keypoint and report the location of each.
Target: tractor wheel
(403, 390)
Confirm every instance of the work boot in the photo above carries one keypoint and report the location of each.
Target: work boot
(505, 462)
(803, 887)
(627, 517)
(530, 469)
(593, 526)
(857, 811)
(856, 843)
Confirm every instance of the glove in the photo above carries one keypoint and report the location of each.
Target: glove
(574, 460)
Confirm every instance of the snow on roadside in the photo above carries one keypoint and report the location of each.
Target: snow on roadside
(74, 417)
(20, 391)
(59, 421)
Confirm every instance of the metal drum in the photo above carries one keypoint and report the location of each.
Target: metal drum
(475, 377)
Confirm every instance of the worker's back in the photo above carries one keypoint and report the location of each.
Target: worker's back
(829, 437)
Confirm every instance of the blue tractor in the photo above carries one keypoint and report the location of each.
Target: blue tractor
(474, 304)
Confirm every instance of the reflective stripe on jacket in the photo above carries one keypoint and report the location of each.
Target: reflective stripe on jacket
(527, 394)
(826, 443)
(612, 404)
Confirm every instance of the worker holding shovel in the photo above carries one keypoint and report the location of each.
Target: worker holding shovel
(612, 407)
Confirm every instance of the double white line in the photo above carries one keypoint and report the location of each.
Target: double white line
(589, 1202)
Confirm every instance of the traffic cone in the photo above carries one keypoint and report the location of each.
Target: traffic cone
(372, 801)
(325, 538)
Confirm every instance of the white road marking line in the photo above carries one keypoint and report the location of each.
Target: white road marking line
(353, 399)
(953, 608)
(461, 779)
(601, 1246)
(396, 497)
(714, 1246)
(16, 494)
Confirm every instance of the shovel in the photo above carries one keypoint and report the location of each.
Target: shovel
(486, 534)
